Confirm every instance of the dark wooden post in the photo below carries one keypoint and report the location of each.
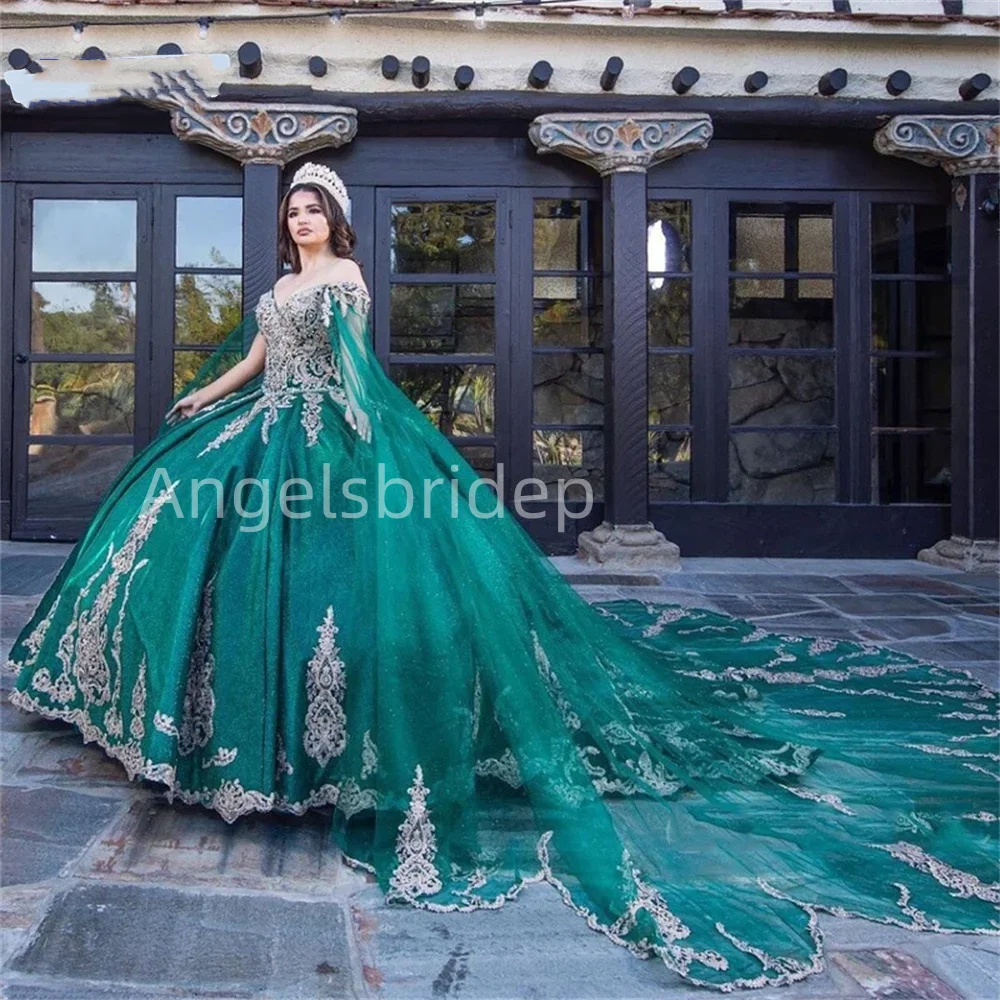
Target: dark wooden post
(625, 353)
(261, 198)
(622, 148)
(263, 135)
(966, 147)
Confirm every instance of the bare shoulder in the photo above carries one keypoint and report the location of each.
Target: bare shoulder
(347, 270)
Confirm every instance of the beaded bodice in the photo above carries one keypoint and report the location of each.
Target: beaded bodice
(299, 365)
(299, 357)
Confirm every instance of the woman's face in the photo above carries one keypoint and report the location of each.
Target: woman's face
(307, 224)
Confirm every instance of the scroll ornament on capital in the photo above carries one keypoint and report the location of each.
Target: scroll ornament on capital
(959, 145)
(244, 131)
(613, 143)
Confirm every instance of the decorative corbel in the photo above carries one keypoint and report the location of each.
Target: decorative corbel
(612, 143)
(959, 145)
(247, 131)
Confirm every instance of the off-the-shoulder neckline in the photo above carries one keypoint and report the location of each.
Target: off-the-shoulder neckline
(346, 283)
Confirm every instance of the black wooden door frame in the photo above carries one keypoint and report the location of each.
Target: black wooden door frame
(545, 530)
(155, 277)
(857, 175)
(7, 253)
(709, 524)
(22, 525)
(501, 278)
(163, 284)
(861, 211)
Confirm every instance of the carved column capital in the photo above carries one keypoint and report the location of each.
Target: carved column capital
(611, 143)
(247, 131)
(960, 145)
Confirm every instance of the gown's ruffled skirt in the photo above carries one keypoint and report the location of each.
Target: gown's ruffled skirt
(695, 787)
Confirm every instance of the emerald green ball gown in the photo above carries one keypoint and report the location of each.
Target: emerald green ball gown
(694, 787)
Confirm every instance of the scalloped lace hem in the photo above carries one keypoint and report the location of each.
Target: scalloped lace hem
(231, 801)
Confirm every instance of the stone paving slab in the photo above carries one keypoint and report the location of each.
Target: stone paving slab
(56, 757)
(951, 653)
(668, 594)
(21, 907)
(613, 579)
(28, 574)
(154, 842)
(46, 828)
(883, 604)
(759, 583)
(759, 605)
(15, 612)
(971, 606)
(911, 583)
(595, 593)
(241, 945)
(104, 871)
(14, 720)
(820, 622)
(891, 975)
(978, 970)
(534, 946)
(27, 988)
(931, 627)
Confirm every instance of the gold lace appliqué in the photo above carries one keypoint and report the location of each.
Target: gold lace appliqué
(299, 363)
(416, 847)
(325, 733)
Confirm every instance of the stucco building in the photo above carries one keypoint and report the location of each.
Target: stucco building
(733, 264)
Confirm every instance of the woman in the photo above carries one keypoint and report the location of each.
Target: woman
(697, 788)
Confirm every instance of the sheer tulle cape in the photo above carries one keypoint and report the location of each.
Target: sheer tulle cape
(696, 788)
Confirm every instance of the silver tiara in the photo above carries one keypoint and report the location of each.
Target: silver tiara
(317, 173)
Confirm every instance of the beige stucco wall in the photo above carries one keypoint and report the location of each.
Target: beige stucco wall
(793, 51)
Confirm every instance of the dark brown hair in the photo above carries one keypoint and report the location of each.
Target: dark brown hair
(342, 236)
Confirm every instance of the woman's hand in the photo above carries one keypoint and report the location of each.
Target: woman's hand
(187, 406)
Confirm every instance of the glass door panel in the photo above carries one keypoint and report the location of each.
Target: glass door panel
(441, 299)
(76, 350)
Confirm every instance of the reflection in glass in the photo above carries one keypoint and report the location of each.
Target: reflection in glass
(209, 232)
(768, 238)
(186, 365)
(82, 397)
(569, 388)
(774, 389)
(668, 238)
(482, 457)
(568, 455)
(565, 321)
(760, 243)
(911, 316)
(910, 239)
(206, 307)
(83, 235)
(911, 392)
(83, 317)
(69, 481)
(442, 319)
(791, 322)
(744, 291)
(669, 312)
(815, 242)
(772, 466)
(565, 240)
(911, 468)
(669, 466)
(457, 399)
(669, 388)
(453, 237)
